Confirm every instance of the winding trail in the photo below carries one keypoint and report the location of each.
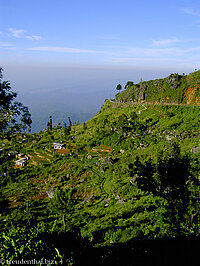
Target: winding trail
(162, 104)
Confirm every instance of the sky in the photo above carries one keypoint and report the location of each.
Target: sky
(87, 45)
(103, 32)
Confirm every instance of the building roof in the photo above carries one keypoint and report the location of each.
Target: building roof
(21, 160)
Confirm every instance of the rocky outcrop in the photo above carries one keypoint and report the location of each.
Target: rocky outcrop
(173, 89)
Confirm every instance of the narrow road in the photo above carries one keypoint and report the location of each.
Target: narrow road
(147, 103)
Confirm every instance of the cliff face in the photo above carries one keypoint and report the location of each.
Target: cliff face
(181, 89)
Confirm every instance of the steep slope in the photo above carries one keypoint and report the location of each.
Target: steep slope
(181, 89)
(131, 173)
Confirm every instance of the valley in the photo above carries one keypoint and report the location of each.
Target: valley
(127, 179)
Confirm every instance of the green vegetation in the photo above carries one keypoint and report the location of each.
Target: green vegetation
(119, 87)
(13, 115)
(127, 181)
(177, 89)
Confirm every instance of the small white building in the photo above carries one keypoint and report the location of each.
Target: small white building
(58, 145)
(21, 162)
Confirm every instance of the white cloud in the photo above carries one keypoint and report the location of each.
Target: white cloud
(126, 52)
(17, 33)
(2, 44)
(66, 50)
(22, 34)
(165, 42)
(145, 56)
(190, 12)
(157, 52)
(34, 37)
(173, 56)
(153, 52)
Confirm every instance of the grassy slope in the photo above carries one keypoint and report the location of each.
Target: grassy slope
(173, 89)
(109, 207)
(156, 127)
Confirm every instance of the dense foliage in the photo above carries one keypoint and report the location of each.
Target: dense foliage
(176, 89)
(125, 187)
(14, 116)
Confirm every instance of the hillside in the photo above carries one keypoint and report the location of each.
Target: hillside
(125, 186)
(40, 120)
(179, 89)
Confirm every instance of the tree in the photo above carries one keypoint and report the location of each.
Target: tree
(14, 116)
(50, 123)
(172, 178)
(63, 205)
(26, 118)
(84, 127)
(70, 122)
(119, 87)
(66, 130)
(128, 84)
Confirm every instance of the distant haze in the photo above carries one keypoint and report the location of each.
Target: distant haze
(79, 91)
(69, 56)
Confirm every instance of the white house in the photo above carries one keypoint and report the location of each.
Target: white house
(58, 145)
(21, 162)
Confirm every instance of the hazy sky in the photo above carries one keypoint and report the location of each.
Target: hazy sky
(65, 44)
(102, 32)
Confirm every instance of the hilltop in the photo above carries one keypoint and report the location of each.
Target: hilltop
(179, 89)
(124, 186)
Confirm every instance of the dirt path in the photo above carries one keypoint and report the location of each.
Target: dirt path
(162, 104)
